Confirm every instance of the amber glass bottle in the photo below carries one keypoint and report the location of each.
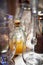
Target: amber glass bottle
(39, 45)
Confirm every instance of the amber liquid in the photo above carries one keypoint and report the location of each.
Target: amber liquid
(18, 47)
(39, 45)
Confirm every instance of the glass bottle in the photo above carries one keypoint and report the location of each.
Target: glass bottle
(5, 52)
(18, 38)
(40, 36)
(30, 57)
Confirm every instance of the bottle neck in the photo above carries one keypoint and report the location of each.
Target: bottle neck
(17, 26)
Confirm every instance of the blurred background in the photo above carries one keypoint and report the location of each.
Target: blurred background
(11, 5)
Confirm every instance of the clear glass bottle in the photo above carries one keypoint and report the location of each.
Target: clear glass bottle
(29, 56)
(18, 38)
(5, 53)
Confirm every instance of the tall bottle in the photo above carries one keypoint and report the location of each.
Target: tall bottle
(39, 45)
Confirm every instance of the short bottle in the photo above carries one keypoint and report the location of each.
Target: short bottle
(18, 38)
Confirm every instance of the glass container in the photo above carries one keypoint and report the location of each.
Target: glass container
(39, 45)
(18, 37)
(5, 53)
(30, 57)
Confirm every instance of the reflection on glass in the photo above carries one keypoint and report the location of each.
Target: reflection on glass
(5, 53)
(18, 38)
(29, 56)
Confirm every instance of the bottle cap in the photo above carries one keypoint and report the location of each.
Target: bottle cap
(17, 22)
